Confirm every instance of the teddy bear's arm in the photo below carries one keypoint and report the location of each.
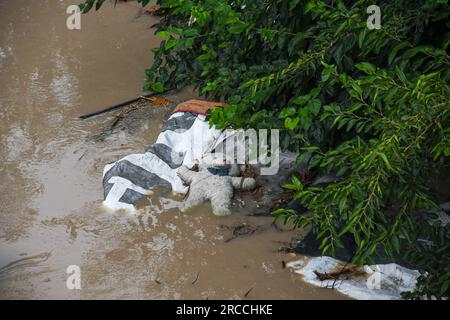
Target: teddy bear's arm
(247, 184)
(185, 174)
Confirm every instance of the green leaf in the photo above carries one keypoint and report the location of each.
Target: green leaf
(157, 87)
(310, 5)
(296, 40)
(287, 112)
(396, 243)
(237, 28)
(163, 34)
(341, 27)
(366, 67)
(314, 106)
(361, 37)
(170, 44)
(290, 124)
(386, 161)
(203, 57)
(394, 51)
(296, 181)
(99, 4)
(341, 172)
(301, 100)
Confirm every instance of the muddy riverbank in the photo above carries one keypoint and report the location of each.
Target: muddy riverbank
(51, 167)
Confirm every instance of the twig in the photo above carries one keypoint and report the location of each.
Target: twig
(125, 111)
(248, 292)
(156, 100)
(196, 278)
(121, 105)
(335, 280)
(345, 270)
(82, 156)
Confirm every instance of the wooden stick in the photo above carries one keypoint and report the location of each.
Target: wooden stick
(121, 105)
(196, 278)
(248, 292)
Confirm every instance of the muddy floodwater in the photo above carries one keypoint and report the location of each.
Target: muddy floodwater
(51, 171)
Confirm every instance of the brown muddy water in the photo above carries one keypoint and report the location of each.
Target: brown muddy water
(51, 191)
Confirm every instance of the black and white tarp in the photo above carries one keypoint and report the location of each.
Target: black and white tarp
(184, 139)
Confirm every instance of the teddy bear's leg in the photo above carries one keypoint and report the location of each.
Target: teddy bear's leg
(185, 174)
(247, 185)
(194, 199)
(220, 202)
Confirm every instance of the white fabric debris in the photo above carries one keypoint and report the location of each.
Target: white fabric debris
(377, 282)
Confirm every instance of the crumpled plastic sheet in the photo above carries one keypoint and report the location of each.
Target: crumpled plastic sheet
(379, 282)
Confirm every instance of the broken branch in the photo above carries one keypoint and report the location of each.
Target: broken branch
(121, 105)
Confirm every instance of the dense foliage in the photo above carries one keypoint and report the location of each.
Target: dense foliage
(368, 106)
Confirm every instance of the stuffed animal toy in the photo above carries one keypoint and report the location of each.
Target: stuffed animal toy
(209, 183)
